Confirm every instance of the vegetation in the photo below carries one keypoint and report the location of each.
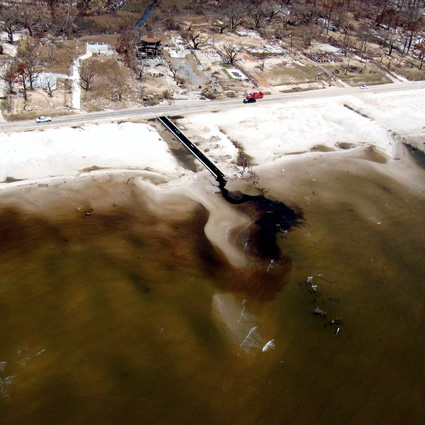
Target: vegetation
(374, 38)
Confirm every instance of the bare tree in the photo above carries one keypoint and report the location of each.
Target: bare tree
(230, 53)
(256, 14)
(9, 22)
(271, 9)
(29, 54)
(172, 70)
(9, 75)
(420, 47)
(21, 71)
(64, 15)
(390, 39)
(262, 56)
(87, 72)
(303, 14)
(35, 17)
(48, 88)
(195, 38)
(234, 13)
(139, 70)
(307, 33)
(411, 29)
(328, 9)
(126, 47)
(220, 26)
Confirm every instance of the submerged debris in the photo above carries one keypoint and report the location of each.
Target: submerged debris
(312, 288)
(319, 312)
(336, 321)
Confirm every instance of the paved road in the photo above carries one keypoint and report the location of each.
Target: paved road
(186, 107)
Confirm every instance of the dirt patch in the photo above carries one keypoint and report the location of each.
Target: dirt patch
(113, 87)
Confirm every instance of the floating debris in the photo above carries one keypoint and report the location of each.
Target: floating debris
(4, 386)
(319, 312)
(268, 346)
(252, 342)
(336, 321)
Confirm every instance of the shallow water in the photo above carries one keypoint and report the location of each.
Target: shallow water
(116, 308)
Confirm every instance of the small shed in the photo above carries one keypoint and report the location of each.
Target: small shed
(98, 49)
(149, 46)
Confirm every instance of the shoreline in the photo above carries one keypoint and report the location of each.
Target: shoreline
(238, 142)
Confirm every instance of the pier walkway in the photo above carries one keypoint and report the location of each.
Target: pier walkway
(218, 175)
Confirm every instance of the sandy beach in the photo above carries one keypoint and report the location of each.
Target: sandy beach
(264, 134)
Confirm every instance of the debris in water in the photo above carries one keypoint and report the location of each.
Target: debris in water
(338, 331)
(252, 341)
(268, 346)
(4, 385)
(313, 289)
(319, 312)
(271, 217)
(336, 321)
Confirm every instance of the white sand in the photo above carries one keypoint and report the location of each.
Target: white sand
(66, 151)
(265, 132)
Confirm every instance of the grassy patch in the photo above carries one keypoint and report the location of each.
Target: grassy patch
(58, 57)
(294, 74)
(357, 76)
(115, 22)
(411, 73)
(137, 6)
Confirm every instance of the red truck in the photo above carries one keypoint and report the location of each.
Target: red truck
(252, 97)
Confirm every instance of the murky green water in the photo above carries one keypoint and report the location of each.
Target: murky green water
(121, 316)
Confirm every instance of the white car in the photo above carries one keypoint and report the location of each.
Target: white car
(364, 86)
(43, 119)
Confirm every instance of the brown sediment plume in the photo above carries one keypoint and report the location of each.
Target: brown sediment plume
(195, 224)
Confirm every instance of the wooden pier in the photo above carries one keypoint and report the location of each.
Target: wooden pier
(218, 175)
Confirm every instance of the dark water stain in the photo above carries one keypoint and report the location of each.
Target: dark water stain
(184, 158)
(417, 155)
(271, 218)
